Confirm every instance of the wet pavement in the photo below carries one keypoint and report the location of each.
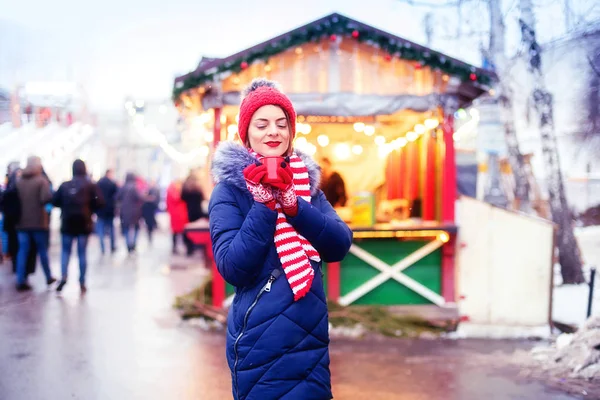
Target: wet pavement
(122, 340)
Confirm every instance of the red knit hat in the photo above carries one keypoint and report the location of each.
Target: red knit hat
(262, 92)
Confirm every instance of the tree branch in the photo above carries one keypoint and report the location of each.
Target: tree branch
(427, 4)
(594, 68)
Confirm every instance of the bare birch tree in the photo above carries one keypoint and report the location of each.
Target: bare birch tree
(497, 54)
(568, 248)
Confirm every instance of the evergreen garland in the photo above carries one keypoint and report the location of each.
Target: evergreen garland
(333, 27)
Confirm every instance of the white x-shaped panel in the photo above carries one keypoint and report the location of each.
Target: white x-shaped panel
(395, 272)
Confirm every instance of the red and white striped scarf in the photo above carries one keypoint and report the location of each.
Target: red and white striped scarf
(293, 249)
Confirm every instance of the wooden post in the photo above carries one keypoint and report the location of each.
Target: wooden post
(333, 281)
(448, 172)
(217, 126)
(393, 175)
(401, 177)
(202, 237)
(448, 272)
(429, 178)
(411, 170)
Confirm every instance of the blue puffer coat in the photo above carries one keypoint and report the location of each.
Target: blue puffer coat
(276, 348)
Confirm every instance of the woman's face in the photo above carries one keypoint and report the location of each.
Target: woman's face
(269, 132)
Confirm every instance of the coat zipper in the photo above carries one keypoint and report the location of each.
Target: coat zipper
(266, 288)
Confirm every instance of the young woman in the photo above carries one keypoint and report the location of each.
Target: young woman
(269, 238)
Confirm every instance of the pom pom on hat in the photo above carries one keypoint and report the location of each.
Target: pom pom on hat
(261, 92)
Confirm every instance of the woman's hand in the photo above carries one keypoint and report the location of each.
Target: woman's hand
(284, 190)
(254, 174)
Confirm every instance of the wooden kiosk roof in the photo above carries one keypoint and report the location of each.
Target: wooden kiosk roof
(473, 80)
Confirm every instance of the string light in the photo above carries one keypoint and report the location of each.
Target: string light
(412, 136)
(300, 142)
(323, 140)
(357, 149)
(359, 126)
(342, 151)
(379, 140)
(431, 123)
(369, 130)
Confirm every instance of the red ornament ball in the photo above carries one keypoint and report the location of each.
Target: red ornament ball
(333, 38)
(244, 65)
(473, 76)
(418, 66)
(355, 34)
(388, 57)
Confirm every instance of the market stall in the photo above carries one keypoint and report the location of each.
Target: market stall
(380, 109)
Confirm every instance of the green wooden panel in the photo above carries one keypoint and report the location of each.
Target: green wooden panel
(229, 290)
(324, 268)
(426, 271)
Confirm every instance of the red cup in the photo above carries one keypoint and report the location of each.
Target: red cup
(272, 164)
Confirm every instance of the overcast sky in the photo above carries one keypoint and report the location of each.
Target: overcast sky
(118, 48)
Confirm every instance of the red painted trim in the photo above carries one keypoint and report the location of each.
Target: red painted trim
(411, 170)
(401, 177)
(216, 127)
(218, 283)
(429, 183)
(448, 171)
(415, 169)
(393, 176)
(333, 281)
(448, 270)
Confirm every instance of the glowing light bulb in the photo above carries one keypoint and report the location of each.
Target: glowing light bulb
(419, 129)
(379, 140)
(208, 136)
(431, 123)
(357, 149)
(232, 129)
(300, 143)
(204, 150)
(342, 151)
(412, 136)
(323, 140)
(359, 126)
(369, 130)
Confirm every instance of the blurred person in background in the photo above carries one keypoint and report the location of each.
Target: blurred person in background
(10, 206)
(193, 197)
(130, 200)
(150, 208)
(78, 199)
(48, 206)
(332, 185)
(106, 214)
(177, 210)
(33, 226)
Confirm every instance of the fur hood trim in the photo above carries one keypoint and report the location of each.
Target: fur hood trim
(231, 158)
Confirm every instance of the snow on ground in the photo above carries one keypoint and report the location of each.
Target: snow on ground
(569, 303)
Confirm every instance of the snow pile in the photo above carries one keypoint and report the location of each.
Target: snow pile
(574, 355)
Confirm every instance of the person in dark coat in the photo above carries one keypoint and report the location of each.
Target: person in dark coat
(10, 206)
(78, 199)
(106, 214)
(150, 208)
(192, 195)
(130, 200)
(332, 185)
(34, 222)
(269, 239)
(177, 210)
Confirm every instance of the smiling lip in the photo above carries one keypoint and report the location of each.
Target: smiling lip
(273, 144)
